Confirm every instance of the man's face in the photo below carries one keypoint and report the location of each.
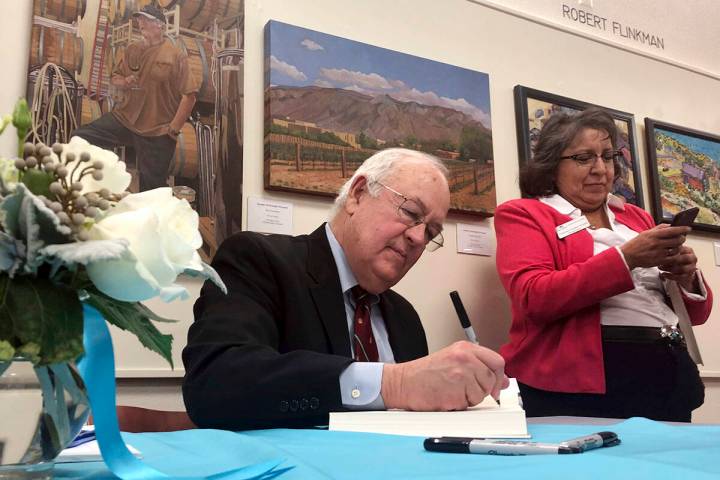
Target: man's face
(379, 246)
(149, 28)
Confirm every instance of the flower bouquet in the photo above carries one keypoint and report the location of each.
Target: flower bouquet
(70, 234)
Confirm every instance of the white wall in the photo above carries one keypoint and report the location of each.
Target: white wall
(513, 51)
(683, 29)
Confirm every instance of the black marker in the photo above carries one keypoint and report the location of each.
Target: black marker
(514, 448)
(463, 316)
(596, 440)
(494, 447)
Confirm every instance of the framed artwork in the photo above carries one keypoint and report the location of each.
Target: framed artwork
(534, 107)
(685, 169)
(330, 103)
(92, 68)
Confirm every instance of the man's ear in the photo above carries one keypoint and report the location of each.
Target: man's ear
(357, 190)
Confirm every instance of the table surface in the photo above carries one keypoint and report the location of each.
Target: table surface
(649, 450)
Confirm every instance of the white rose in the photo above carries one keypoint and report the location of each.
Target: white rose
(8, 174)
(163, 238)
(115, 177)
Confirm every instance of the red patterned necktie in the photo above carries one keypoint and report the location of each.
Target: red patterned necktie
(363, 341)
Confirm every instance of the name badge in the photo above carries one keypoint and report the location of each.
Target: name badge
(573, 226)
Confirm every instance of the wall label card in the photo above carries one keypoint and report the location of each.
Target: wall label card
(473, 239)
(269, 216)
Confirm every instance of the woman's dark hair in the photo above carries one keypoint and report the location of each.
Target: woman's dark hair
(537, 177)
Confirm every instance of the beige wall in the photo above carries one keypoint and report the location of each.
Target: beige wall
(513, 51)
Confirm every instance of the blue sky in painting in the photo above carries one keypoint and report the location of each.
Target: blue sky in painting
(302, 57)
(708, 147)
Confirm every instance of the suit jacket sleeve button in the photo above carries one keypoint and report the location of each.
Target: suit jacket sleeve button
(284, 405)
(304, 403)
(314, 403)
(293, 405)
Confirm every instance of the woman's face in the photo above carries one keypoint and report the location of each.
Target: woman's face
(586, 186)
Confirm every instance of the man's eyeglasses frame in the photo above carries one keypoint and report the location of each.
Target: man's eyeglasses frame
(413, 219)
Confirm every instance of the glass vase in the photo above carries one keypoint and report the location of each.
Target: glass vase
(42, 408)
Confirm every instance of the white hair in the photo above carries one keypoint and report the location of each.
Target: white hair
(381, 166)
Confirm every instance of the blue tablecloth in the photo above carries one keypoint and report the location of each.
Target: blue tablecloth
(649, 450)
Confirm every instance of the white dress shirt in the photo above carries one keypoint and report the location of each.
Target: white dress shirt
(360, 382)
(644, 306)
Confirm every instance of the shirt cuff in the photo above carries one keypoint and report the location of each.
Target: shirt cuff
(696, 297)
(623, 258)
(360, 385)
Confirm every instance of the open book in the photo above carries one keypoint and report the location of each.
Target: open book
(485, 420)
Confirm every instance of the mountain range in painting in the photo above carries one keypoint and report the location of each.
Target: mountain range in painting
(381, 117)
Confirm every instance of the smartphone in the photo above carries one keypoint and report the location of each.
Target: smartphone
(685, 218)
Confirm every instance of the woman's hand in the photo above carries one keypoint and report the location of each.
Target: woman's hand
(681, 267)
(654, 247)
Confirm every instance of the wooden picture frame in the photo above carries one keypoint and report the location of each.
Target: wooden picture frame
(331, 102)
(684, 165)
(543, 104)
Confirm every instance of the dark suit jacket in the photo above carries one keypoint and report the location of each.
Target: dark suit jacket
(270, 352)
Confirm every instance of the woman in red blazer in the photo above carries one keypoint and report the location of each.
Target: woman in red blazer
(592, 334)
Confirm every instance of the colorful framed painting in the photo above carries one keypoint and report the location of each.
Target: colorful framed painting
(330, 103)
(685, 169)
(534, 107)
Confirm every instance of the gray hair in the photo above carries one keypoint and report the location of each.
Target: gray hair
(382, 165)
(537, 177)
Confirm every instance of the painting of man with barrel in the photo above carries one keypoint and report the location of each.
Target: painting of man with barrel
(158, 81)
(158, 95)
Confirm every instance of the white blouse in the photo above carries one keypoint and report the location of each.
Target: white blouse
(644, 306)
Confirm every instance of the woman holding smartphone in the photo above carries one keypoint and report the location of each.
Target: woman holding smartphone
(592, 334)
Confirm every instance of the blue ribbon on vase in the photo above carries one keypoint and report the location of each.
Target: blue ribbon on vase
(97, 369)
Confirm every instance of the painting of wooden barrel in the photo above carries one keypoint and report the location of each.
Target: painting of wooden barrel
(199, 53)
(185, 160)
(198, 15)
(118, 14)
(92, 109)
(112, 12)
(121, 10)
(56, 46)
(228, 8)
(65, 11)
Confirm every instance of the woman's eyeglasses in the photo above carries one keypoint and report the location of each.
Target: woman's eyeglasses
(586, 159)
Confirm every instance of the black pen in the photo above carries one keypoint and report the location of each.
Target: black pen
(463, 316)
(465, 321)
(515, 448)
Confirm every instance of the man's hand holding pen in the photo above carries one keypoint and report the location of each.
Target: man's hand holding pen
(454, 378)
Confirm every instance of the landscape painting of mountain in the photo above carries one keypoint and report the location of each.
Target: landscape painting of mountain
(686, 170)
(330, 103)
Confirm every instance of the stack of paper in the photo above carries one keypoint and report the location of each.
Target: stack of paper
(485, 420)
(87, 452)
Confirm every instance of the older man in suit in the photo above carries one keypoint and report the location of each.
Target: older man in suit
(310, 325)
